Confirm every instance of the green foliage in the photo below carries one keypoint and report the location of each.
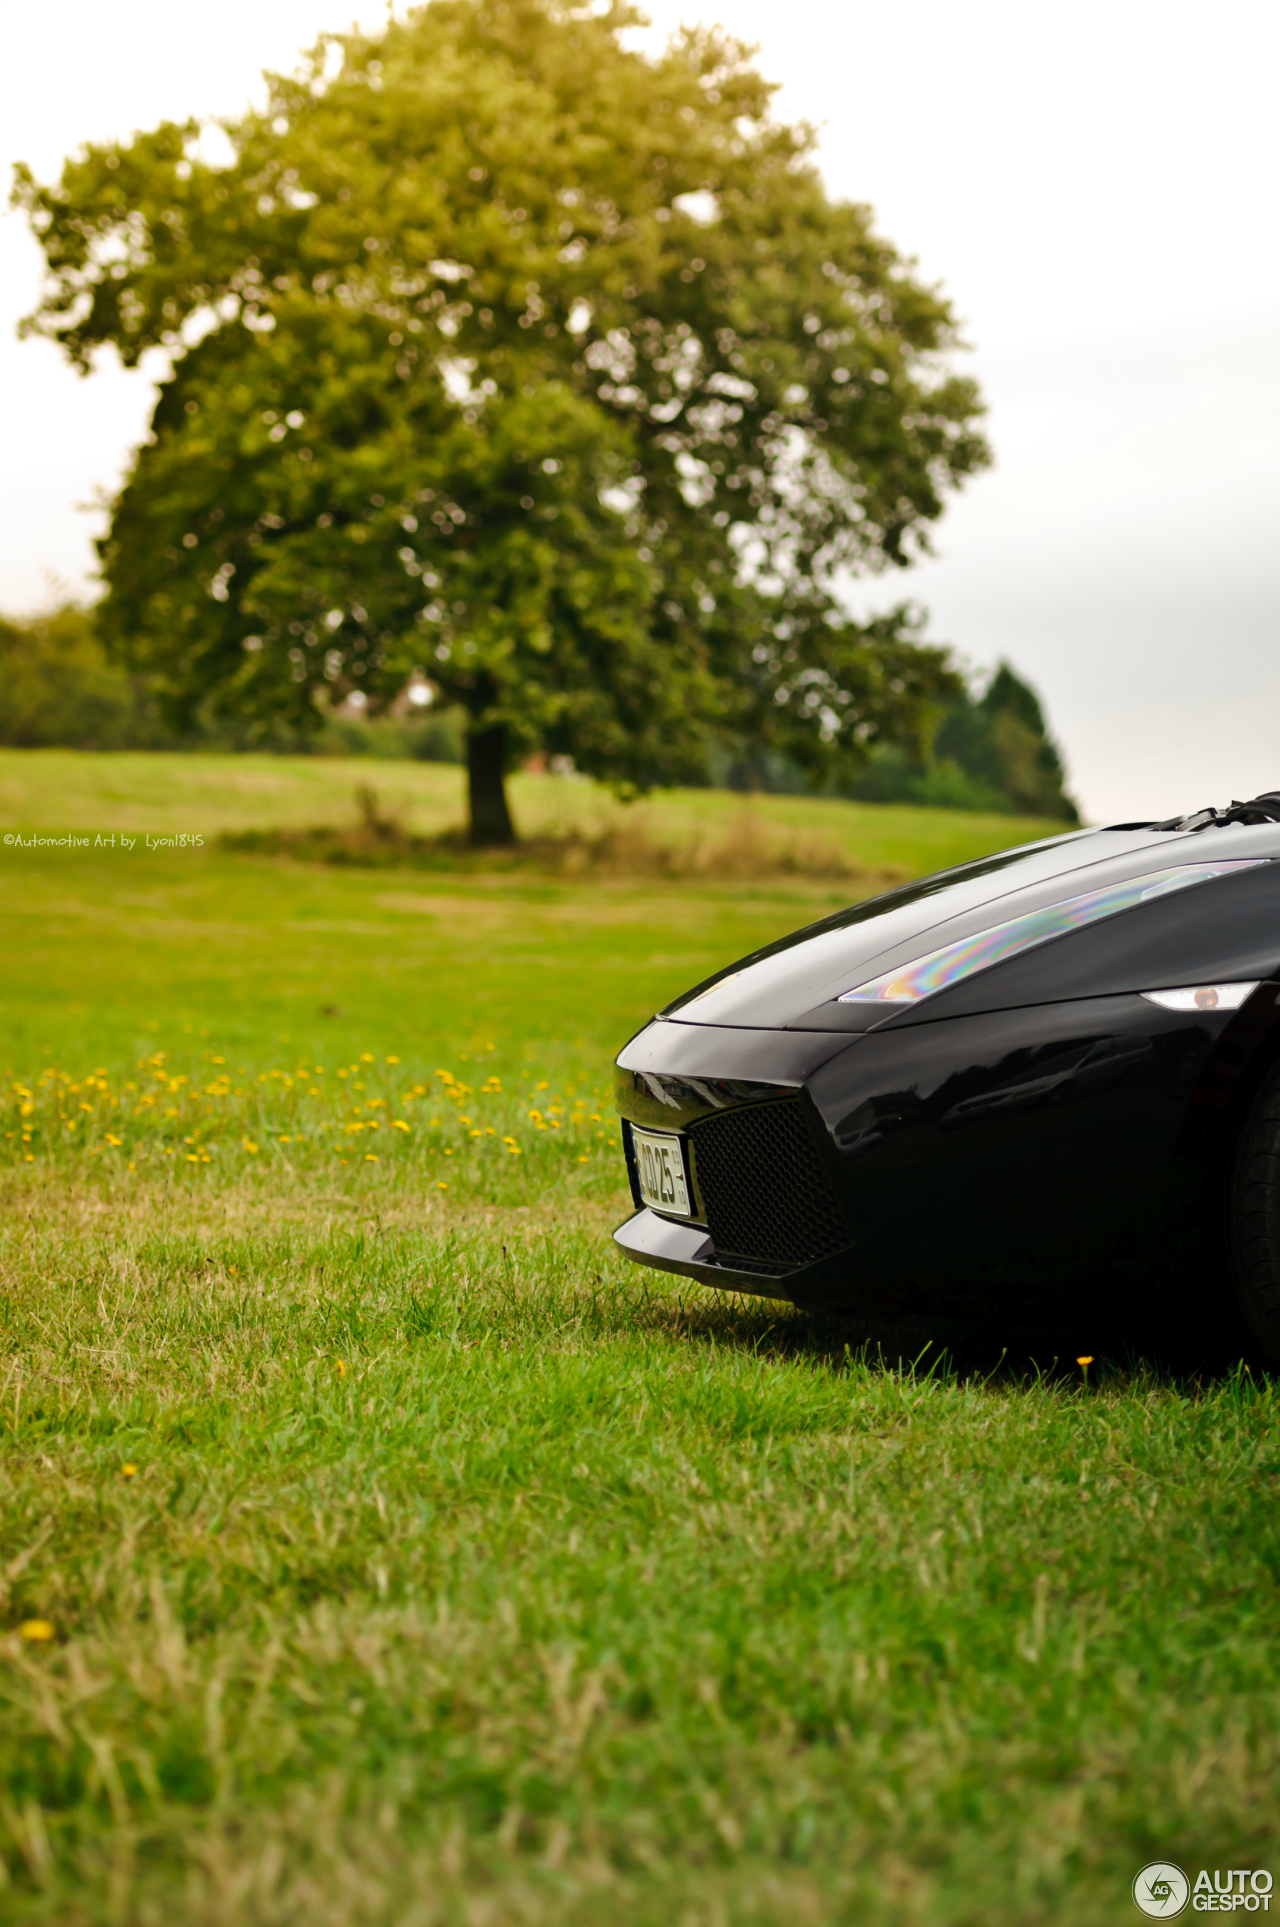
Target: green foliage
(57, 687)
(503, 352)
(992, 752)
(436, 737)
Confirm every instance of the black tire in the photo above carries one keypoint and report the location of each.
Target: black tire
(1255, 1219)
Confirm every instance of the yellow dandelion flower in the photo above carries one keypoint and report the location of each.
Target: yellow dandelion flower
(128, 1471)
(1086, 1360)
(37, 1629)
(585, 1160)
(393, 1060)
(366, 1057)
(399, 1125)
(371, 1157)
(286, 1140)
(340, 1368)
(442, 1184)
(250, 1146)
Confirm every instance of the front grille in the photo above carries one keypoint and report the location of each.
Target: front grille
(766, 1194)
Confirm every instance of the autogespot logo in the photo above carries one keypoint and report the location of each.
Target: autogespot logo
(1162, 1890)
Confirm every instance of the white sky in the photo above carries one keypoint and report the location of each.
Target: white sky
(1094, 184)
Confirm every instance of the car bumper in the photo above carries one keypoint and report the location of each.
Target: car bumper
(647, 1238)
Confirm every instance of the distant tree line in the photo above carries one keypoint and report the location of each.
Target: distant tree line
(989, 752)
(59, 689)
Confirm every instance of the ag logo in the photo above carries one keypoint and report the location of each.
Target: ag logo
(1161, 1890)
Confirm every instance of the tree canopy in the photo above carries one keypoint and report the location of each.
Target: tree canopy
(507, 354)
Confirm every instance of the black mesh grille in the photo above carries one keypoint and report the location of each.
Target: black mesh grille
(766, 1194)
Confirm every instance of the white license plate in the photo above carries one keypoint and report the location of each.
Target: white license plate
(660, 1164)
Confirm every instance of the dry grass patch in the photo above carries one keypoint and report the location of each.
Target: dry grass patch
(749, 847)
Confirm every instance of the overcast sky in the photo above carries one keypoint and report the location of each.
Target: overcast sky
(1094, 185)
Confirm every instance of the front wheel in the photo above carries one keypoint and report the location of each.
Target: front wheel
(1255, 1219)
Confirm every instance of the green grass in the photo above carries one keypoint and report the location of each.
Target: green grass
(203, 795)
(410, 1559)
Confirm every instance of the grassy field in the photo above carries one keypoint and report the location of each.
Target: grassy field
(205, 795)
(376, 1548)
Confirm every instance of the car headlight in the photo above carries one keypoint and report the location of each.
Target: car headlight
(1202, 996)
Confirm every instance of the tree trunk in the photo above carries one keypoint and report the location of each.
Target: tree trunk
(490, 818)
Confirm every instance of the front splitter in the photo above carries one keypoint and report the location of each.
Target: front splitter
(648, 1239)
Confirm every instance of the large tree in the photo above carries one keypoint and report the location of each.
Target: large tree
(505, 352)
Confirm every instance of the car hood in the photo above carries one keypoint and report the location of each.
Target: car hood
(799, 981)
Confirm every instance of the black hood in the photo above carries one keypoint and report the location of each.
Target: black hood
(804, 980)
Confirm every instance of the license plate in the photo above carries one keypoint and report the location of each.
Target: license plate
(660, 1164)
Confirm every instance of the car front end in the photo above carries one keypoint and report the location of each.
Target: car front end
(1005, 1091)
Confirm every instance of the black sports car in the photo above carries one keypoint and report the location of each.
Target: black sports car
(1044, 1087)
